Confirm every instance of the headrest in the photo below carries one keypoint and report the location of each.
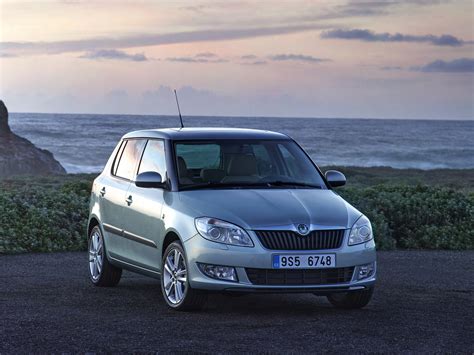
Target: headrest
(182, 168)
(212, 175)
(242, 165)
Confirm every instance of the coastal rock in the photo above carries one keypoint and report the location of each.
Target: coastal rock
(18, 156)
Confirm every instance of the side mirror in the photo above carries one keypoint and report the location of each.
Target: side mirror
(335, 178)
(149, 179)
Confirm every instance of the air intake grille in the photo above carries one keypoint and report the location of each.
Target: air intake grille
(278, 277)
(289, 240)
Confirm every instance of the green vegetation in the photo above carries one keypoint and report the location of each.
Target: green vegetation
(408, 209)
(48, 214)
(416, 217)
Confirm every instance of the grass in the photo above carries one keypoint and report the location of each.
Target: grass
(412, 209)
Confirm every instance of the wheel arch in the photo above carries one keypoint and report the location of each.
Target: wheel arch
(170, 237)
(93, 222)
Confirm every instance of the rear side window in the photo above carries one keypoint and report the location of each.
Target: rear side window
(154, 158)
(117, 157)
(129, 159)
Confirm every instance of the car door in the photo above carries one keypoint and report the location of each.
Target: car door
(144, 224)
(113, 195)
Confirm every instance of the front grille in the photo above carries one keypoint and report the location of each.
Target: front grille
(279, 277)
(289, 240)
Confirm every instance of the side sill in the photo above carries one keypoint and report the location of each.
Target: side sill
(134, 268)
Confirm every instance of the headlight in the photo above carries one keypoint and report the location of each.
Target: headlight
(222, 232)
(361, 231)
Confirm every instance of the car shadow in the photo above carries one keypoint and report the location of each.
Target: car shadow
(296, 304)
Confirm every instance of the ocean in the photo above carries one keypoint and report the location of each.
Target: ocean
(83, 143)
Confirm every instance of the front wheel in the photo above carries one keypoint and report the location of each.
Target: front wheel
(101, 272)
(351, 300)
(175, 287)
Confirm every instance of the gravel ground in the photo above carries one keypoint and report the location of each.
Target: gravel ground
(423, 303)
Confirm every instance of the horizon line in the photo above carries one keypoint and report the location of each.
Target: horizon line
(247, 116)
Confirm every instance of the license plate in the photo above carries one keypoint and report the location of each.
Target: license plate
(304, 261)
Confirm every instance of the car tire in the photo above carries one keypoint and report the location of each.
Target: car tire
(101, 272)
(177, 292)
(351, 300)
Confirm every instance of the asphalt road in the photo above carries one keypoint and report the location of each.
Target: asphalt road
(423, 303)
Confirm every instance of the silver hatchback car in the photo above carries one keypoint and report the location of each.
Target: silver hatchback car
(227, 210)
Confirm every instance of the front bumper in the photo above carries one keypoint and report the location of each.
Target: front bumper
(200, 250)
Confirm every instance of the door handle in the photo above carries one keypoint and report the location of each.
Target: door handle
(129, 200)
(102, 192)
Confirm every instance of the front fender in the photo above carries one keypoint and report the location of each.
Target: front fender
(179, 223)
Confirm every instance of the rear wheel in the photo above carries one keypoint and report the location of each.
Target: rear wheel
(175, 287)
(101, 272)
(351, 300)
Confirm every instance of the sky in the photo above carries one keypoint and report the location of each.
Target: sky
(299, 58)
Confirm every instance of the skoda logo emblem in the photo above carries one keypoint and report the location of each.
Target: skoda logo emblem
(303, 229)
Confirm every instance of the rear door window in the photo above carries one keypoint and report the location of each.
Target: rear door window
(127, 165)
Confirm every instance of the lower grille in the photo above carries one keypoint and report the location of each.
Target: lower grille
(279, 277)
(289, 240)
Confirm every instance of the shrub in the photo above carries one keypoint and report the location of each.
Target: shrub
(51, 215)
(44, 219)
(418, 217)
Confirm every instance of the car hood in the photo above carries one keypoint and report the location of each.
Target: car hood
(272, 208)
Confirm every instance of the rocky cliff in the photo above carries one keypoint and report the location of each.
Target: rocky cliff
(18, 156)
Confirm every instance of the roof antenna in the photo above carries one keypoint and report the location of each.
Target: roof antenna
(179, 111)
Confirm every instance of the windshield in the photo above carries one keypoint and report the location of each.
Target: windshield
(245, 163)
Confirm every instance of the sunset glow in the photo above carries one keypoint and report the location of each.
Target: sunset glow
(381, 59)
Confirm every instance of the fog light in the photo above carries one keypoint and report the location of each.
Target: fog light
(365, 271)
(226, 273)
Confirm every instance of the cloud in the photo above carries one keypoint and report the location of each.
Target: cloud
(144, 40)
(392, 68)
(197, 8)
(118, 94)
(256, 62)
(193, 101)
(462, 65)
(360, 9)
(371, 36)
(424, 2)
(195, 60)
(297, 57)
(114, 54)
(7, 55)
(206, 55)
(117, 100)
(363, 8)
(252, 59)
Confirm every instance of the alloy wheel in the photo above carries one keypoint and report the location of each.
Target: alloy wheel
(96, 255)
(175, 276)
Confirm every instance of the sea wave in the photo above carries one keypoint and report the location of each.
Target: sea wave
(82, 169)
(83, 143)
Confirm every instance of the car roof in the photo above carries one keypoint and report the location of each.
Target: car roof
(205, 133)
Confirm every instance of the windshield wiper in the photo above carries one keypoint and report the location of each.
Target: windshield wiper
(244, 185)
(293, 183)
